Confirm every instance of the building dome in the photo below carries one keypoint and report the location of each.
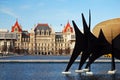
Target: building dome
(111, 28)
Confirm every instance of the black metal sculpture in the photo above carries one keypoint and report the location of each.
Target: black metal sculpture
(116, 46)
(100, 47)
(80, 44)
(87, 50)
(92, 47)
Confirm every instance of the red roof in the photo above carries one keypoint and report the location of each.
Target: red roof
(16, 25)
(68, 26)
(42, 25)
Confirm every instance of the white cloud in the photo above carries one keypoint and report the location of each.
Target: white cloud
(9, 12)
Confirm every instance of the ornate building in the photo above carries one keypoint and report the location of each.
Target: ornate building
(7, 42)
(65, 40)
(42, 40)
(69, 38)
(23, 38)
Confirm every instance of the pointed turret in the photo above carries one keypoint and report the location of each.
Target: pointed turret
(68, 28)
(16, 27)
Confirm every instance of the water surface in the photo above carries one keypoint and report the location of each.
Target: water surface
(52, 71)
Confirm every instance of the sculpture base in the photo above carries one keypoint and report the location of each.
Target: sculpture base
(89, 73)
(79, 71)
(112, 72)
(67, 72)
(86, 70)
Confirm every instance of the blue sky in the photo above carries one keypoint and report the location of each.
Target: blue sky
(55, 12)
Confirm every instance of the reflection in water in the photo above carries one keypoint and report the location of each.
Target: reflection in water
(85, 77)
(69, 77)
(93, 77)
(113, 76)
(52, 71)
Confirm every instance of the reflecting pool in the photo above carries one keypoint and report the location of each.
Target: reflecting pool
(52, 71)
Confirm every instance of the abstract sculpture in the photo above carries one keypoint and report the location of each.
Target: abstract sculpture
(92, 47)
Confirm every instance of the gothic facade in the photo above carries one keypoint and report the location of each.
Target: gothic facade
(43, 40)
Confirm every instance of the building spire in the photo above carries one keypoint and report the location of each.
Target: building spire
(16, 25)
(68, 26)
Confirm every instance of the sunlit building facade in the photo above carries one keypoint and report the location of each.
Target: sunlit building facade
(7, 42)
(23, 38)
(43, 40)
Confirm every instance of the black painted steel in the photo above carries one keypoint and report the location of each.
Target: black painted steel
(87, 50)
(116, 48)
(79, 45)
(92, 47)
(100, 47)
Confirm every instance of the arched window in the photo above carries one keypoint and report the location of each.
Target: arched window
(45, 32)
(49, 32)
(42, 32)
(16, 29)
(37, 32)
